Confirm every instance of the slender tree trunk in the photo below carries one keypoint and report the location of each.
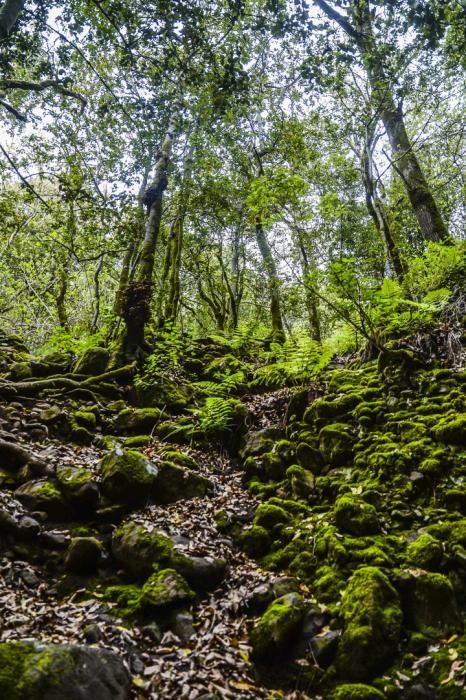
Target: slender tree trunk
(376, 206)
(404, 160)
(235, 288)
(309, 268)
(278, 332)
(60, 299)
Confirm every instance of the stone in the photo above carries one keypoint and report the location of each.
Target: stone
(357, 691)
(202, 573)
(54, 672)
(42, 495)
(430, 604)
(79, 487)
(183, 626)
(355, 516)
(372, 613)
(83, 555)
(165, 588)
(127, 476)
(136, 549)
(136, 420)
(93, 361)
(175, 482)
(335, 444)
(278, 627)
(302, 481)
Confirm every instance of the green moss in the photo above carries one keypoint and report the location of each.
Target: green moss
(273, 466)
(278, 627)
(255, 541)
(328, 585)
(335, 444)
(165, 588)
(137, 420)
(425, 552)
(372, 613)
(14, 657)
(432, 605)
(357, 691)
(136, 549)
(302, 482)
(127, 476)
(452, 431)
(86, 419)
(268, 516)
(177, 457)
(355, 516)
(138, 441)
(125, 599)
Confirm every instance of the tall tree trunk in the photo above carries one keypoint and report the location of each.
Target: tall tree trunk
(138, 293)
(376, 206)
(235, 289)
(309, 268)
(278, 332)
(404, 160)
(60, 299)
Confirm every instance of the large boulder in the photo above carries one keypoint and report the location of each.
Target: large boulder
(355, 516)
(53, 672)
(430, 603)
(83, 555)
(127, 476)
(136, 421)
(372, 614)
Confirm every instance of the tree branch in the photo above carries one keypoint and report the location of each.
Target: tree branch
(32, 86)
(342, 21)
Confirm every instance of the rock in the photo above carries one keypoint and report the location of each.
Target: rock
(426, 552)
(372, 614)
(54, 672)
(83, 555)
(152, 632)
(324, 646)
(202, 573)
(127, 476)
(355, 516)
(136, 549)
(79, 487)
(301, 480)
(8, 523)
(28, 528)
(56, 541)
(269, 516)
(43, 495)
(335, 444)
(430, 604)
(452, 431)
(165, 588)
(256, 443)
(357, 691)
(92, 633)
(136, 420)
(174, 482)
(278, 627)
(85, 419)
(255, 541)
(183, 626)
(92, 362)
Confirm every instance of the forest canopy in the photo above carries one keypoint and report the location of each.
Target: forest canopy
(227, 166)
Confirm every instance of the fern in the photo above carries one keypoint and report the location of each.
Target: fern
(217, 414)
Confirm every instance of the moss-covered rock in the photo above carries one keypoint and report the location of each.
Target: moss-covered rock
(165, 588)
(302, 481)
(93, 361)
(31, 671)
(136, 441)
(136, 420)
(335, 444)
(278, 628)
(255, 541)
(372, 614)
(136, 549)
(83, 555)
(85, 419)
(43, 495)
(127, 476)
(425, 552)
(78, 486)
(430, 604)
(268, 516)
(357, 691)
(452, 431)
(174, 482)
(355, 516)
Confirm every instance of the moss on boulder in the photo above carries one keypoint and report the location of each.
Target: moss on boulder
(136, 420)
(92, 362)
(357, 691)
(278, 627)
(335, 444)
(43, 495)
(83, 555)
(174, 482)
(425, 552)
(165, 588)
(372, 614)
(127, 476)
(355, 516)
(78, 486)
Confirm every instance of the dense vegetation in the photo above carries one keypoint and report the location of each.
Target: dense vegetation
(232, 349)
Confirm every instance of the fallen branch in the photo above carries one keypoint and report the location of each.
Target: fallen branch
(20, 455)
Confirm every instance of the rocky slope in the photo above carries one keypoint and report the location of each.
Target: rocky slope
(314, 546)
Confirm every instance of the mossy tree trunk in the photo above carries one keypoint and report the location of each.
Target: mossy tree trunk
(404, 160)
(137, 296)
(278, 331)
(309, 268)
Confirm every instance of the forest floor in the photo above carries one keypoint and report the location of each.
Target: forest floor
(210, 655)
